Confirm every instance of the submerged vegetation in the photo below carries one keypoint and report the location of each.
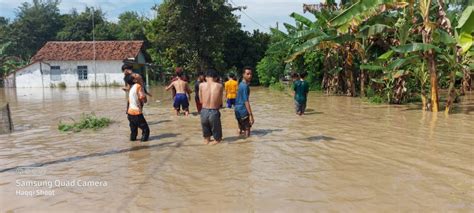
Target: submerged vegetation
(87, 121)
(391, 51)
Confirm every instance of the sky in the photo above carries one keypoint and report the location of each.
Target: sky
(260, 14)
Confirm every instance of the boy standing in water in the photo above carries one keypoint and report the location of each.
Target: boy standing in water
(231, 90)
(243, 111)
(183, 93)
(199, 80)
(301, 89)
(210, 94)
(136, 100)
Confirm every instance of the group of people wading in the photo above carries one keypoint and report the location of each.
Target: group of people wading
(209, 93)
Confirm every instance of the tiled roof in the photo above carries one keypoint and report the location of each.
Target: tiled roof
(84, 50)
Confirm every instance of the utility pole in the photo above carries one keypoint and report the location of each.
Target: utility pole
(93, 45)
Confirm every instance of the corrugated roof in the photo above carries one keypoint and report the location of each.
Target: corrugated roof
(84, 50)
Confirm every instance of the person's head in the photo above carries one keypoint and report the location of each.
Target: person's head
(180, 75)
(295, 76)
(232, 76)
(303, 74)
(127, 69)
(247, 74)
(201, 76)
(137, 78)
(212, 74)
(178, 70)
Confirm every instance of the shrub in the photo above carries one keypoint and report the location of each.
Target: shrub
(87, 121)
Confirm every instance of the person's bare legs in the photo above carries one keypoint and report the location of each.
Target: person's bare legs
(207, 140)
(186, 112)
(247, 133)
(177, 111)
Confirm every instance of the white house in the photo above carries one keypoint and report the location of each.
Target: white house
(78, 64)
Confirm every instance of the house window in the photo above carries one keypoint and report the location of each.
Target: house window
(55, 73)
(82, 72)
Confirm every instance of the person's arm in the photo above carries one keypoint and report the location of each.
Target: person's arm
(189, 91)
(126, 87)
(200, 93)
(247, 106)
(169, 86)
(141, 95)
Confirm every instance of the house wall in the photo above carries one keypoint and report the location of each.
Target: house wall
(108, 72)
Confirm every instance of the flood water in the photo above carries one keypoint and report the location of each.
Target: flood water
(343, 155)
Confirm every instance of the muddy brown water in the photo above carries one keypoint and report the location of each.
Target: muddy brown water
(343, 155)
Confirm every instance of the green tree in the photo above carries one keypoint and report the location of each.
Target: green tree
(35, 24)
(131, 26)
(191, 33)
(78, 27)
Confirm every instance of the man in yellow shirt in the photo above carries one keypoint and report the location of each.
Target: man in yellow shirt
(231, 90)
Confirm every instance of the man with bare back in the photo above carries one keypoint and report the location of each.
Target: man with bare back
(210, 95)
(183, 94)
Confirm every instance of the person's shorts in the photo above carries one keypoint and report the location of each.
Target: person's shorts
(244, 123)
(211, 123)
(300, 107)
(181, 101)
(230, 102)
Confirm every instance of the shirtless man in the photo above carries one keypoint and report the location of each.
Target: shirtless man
(210, 95)
(183, 94)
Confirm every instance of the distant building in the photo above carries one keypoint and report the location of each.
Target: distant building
(78, 64)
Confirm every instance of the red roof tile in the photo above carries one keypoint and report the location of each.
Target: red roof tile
(84, 50)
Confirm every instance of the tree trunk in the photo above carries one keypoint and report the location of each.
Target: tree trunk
(466, 81)
(433, 81)
(362, 83)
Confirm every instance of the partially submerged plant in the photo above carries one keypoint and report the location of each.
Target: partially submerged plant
(87, 121)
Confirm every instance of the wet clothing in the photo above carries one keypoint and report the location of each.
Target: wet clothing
(230, 103)
(135, 122)
(244, 123)
(243, 94)
(231, 89)
(301, 89)
(300, 107)
(181, 101)
(211, 123)
(136, 97)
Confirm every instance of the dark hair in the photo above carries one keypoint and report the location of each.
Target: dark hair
(180, 74)
(200, 73)
(127, 67)
(303, 74)
(178, 70)
(246, 68)
(211, 73)
(295, 75)
(231, 75)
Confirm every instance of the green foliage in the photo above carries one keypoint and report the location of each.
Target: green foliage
(36, 23)
(191, 33)
(78, 27)
(87, 121)
(278, 86)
